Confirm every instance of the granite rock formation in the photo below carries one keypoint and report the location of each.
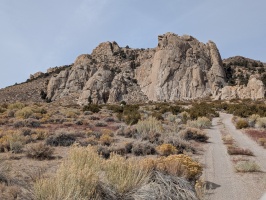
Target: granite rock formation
(179, 68)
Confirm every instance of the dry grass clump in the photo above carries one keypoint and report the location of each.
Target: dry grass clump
(84, 175)
(39, 151)
(201, 122)
(180, 144)
(149, 128)
(247, 166)
(193, 134)
(261, 122)
(166, 149)
(12, 141)
(106, 139)
(241, 123)
(234, 150)
(16, 106)
(228, 139)
(252, 120)
(124, 176)
(177, 165)
(76, 178)
(9, 192)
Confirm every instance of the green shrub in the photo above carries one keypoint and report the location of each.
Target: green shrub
(247, 166)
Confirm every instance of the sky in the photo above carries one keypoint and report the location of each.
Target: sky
(36, 35)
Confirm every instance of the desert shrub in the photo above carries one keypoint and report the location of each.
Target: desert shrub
(241, 123)
(12, 141)
(18, 124)
(201, 110)
(100, 124)
(201, 122)
(127, 113)
(143, 148)
(180, 144)
(247, 166)
(2, 110)
(92, 117)
(106, 139)
(166, 149)
(95, 108)
(15, 106)
(164, 186)
(178, 165)
(125, 175)
(127, 132)
(262, 142)
(261, 122)
(109, 119)
(61, 138)
(39, 151)
(246, 109)
(234, 150)
(76, 178)
(103, 151)
(149, 128)
(228, 139)
(184, 117)
(252, 120)
(193, 134)
(24, 113)
(9, 192)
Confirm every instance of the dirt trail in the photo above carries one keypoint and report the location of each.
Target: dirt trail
(222, 182)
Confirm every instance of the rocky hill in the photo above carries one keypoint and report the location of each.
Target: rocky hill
(179, 68)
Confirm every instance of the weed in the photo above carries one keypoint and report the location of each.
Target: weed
(247, 166)
(39, 151)
(166, 149)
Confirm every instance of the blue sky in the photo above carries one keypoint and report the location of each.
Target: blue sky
(36, 35)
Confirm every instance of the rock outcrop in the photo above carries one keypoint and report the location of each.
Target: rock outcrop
(180, 67)
(254, 90)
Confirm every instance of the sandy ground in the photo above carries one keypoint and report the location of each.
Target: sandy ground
(222, 181)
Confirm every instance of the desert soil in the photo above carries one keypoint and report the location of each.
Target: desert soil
(222, 181)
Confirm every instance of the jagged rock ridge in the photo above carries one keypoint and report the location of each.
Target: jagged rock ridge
(180, 67)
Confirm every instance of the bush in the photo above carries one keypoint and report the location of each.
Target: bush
(95, 108)
(125, 175)
(201, 122)
(143, 148)
(39, 151)
(24, 113)
(241, 123)
(166, 149)
(252, 120)
(228, 139)
(106, 139)
(60, 138)
(76, 178)
(193, 134)
(178, 165)
(233, 150)
(149, 128)
(261, 122)
(247, 166)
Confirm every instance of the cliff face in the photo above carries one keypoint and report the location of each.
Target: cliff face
(180, 67)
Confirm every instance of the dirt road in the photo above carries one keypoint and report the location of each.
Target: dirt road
(222, 181)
